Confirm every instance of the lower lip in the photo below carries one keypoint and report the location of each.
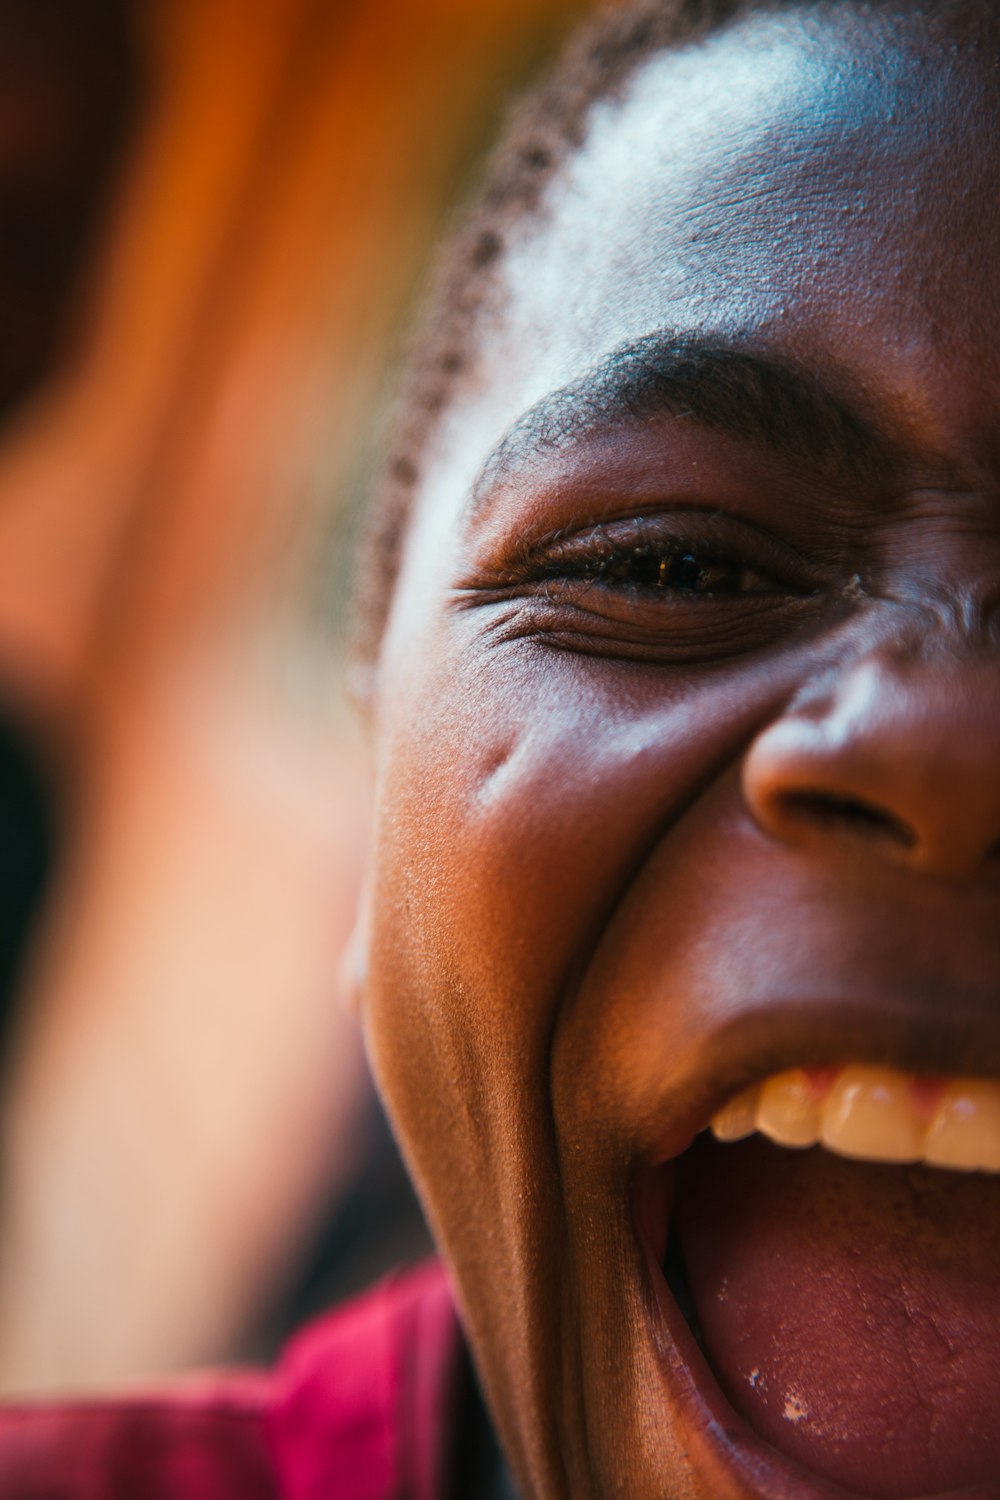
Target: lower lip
(725, 1453)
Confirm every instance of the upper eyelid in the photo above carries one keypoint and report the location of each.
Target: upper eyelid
(709, 517)
(697, 526)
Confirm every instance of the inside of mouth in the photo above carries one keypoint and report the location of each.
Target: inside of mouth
(850, 1310)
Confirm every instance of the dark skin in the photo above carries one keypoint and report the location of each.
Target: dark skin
(688, 719)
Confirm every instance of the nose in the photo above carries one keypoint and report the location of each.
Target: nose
(903, 754)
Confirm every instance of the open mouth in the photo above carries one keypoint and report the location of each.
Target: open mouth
(845, 1295)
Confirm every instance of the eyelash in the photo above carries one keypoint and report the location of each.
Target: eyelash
(665, 558)
(682, 571)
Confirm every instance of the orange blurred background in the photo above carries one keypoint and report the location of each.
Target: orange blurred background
(214, 216)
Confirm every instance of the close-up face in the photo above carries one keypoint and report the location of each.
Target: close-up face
(686, 735)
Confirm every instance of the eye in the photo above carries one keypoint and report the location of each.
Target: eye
(670, 557)
(671, 586)
(684, 570)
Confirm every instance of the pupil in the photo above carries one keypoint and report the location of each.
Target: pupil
(683, 572)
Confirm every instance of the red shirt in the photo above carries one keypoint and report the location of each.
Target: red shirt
(363, 1406)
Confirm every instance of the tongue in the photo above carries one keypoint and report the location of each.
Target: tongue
(851, 1311)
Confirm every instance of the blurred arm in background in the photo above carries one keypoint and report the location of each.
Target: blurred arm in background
(182, 1092)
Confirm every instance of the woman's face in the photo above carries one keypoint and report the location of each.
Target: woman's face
(688, 730)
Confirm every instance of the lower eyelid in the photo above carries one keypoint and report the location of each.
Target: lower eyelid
(701, 633)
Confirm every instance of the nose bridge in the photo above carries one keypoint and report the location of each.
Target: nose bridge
(902, 748)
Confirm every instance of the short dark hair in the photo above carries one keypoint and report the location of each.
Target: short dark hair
(544, 129)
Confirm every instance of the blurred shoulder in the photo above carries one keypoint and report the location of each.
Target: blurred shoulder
(361, 1406)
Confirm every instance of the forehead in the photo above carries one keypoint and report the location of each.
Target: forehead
(733, 175)
(820, 184)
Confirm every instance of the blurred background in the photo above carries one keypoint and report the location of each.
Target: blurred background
(215, 216)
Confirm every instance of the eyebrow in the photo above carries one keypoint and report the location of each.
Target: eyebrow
(744, 394)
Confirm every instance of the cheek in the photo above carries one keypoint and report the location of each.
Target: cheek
(521, 793)
(522, 789)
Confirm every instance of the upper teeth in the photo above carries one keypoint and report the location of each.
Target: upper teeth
(876, 1114)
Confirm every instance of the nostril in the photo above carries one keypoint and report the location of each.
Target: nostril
(853, 814)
